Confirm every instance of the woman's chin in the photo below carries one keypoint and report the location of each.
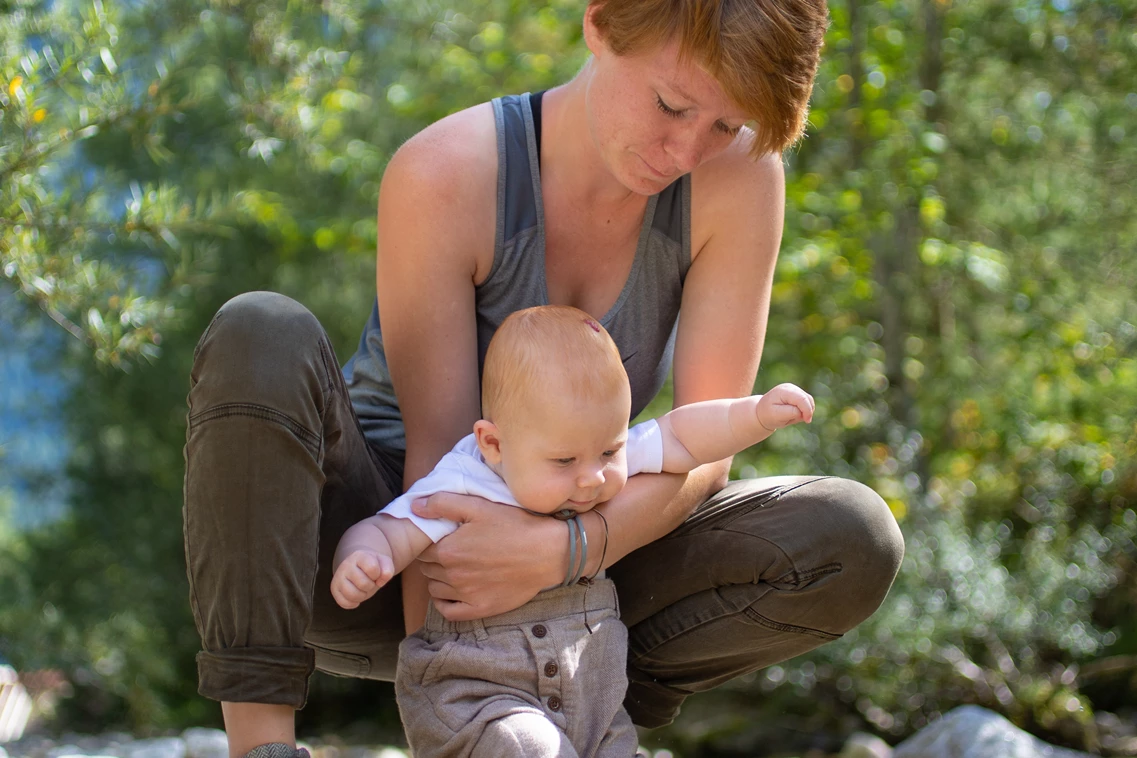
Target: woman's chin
(644, 185)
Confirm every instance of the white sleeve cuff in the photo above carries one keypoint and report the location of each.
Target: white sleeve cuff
(645, 449)
(435, 528)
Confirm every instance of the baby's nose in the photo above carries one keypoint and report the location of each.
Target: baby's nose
(592, 477)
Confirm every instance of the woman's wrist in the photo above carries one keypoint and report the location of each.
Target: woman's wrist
(556, 569)
(554, 536)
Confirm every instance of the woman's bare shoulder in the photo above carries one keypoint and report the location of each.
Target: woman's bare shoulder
(440, 188)
(735, 188)
(736, 169)
(454, 159)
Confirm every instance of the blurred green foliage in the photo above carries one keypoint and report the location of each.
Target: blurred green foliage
(954, 288)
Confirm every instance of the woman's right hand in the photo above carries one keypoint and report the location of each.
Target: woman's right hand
(499, 558)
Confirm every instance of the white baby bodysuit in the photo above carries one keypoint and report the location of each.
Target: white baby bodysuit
(464, 471)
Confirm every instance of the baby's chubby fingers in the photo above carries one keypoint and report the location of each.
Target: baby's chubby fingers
(345, 593)
(791, 394)
(784, 405)
(359, 576)
(376, 567)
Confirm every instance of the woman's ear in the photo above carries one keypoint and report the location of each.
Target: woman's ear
(593, 38)
(489, 440)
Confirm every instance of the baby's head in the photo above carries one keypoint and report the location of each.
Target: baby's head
(555, 408)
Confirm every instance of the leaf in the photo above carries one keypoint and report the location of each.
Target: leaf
(108, 60)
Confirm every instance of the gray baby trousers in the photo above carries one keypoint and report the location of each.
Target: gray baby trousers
(277, 469)
(543, 681)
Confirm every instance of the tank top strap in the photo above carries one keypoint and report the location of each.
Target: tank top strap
(673, 219)
(519, 205)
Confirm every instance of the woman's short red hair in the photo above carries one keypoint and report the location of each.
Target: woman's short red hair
(763, 53)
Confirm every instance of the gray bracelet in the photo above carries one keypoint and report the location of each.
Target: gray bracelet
(570, 523)
(576, 569)
(583, 550)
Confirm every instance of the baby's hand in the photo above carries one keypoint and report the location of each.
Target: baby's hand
(360, 576)
(784, 405)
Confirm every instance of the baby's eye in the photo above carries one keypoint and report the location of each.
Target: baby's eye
(563, 461)
(609, 453)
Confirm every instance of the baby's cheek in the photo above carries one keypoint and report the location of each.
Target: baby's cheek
(618, 479)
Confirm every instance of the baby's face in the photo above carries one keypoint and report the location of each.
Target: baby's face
(567, 453)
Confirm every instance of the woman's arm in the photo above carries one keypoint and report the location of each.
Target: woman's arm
(435, 241)
(737, 209)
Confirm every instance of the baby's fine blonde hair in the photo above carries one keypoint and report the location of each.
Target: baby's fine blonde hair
(549, 348)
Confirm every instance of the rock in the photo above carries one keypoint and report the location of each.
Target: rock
(973, 732)
(163, 747)
(363, 752)
(1118, 736)
(862, 745)
(205, 743)
(63, 751)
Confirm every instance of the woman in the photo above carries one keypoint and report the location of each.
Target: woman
(634, 192)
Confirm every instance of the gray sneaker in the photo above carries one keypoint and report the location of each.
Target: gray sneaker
(277, 750)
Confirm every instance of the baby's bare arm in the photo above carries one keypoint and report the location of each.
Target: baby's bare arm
(712, 430)
(370, 554)
(397, 538)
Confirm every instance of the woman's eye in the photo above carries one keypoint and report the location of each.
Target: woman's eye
(666, 109)
(732, 131)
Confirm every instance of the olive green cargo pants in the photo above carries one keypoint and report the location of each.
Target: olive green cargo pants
(277, 469)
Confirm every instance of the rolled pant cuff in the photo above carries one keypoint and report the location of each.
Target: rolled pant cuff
(270, 675)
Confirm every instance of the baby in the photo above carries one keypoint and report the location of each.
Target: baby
(547, 678)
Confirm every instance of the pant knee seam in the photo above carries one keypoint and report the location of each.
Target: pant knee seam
(309, 438)
(795, 577)
(750, 614)
(778, 626)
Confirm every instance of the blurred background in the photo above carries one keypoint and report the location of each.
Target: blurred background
(955, 287)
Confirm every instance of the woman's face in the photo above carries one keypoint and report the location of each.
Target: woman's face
(652, 118)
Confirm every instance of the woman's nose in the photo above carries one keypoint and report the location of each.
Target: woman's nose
(686, 149)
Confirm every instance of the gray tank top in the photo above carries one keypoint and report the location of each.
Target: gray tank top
(642, 321)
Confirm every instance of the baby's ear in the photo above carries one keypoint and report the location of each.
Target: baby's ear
(489, 440)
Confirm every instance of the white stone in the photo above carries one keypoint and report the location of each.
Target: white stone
(862, 745)
(205, 743)
(163, 747)
(973, 732)
(67, 750)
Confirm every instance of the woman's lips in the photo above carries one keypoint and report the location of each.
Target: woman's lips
(659, 174)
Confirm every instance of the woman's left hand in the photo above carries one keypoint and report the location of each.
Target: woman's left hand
(499, 558)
